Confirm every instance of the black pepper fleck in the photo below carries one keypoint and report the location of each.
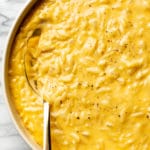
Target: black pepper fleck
(78, 117)
(80, 84)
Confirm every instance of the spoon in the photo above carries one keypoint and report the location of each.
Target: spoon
(46, 105)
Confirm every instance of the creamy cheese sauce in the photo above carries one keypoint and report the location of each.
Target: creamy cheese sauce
(91, 60)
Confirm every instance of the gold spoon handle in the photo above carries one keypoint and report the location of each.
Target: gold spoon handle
(46, 137)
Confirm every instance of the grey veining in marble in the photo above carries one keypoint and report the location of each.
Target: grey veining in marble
(9, 136)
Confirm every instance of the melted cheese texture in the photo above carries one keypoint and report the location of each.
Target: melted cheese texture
(91, 60)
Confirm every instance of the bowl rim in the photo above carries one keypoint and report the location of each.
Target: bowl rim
(6, 92)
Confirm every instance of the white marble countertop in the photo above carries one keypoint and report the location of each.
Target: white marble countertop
(9, 136)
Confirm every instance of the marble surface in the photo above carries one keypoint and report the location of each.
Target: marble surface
(9, 136)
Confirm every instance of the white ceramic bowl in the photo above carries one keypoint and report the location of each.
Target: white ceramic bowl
(15, 117)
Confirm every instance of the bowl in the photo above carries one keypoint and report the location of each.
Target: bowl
(14, 115)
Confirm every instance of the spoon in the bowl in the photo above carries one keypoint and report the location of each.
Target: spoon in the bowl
(46, 105)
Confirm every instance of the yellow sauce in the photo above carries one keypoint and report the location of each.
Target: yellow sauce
(91, 61)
